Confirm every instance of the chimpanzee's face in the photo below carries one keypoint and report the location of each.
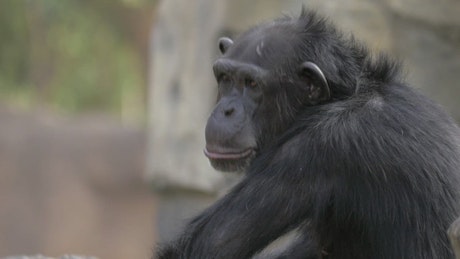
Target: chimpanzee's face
(259, 95)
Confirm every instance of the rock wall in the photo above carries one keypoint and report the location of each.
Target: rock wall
(183, 47)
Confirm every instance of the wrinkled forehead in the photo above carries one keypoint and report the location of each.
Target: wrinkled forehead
(267, 48)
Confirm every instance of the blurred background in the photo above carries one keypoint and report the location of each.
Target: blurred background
(73, 83)
(103, 105)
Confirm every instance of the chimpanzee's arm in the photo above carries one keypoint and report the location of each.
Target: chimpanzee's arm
(300, 243)
(262, 207)
(304, 247)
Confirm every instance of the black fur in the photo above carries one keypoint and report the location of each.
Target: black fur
(373, 172)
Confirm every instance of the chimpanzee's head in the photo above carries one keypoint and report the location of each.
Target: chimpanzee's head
(264, 79)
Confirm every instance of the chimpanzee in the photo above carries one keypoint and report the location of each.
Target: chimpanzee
(334, 145)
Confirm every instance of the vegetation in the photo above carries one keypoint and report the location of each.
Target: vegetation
(75, 56)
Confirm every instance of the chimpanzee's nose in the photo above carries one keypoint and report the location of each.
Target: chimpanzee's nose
(229, 111)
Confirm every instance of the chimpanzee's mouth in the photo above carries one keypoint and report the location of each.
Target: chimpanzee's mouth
(228, 154)
(228, 159)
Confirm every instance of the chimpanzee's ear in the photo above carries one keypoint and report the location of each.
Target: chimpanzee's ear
(224, 44)
(317, 84)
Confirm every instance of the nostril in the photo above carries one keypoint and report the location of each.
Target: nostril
(229, 112)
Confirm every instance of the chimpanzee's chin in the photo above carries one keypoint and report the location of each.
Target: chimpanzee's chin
(231, 165)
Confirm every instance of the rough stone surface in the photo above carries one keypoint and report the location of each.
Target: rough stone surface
(432, 11)
(182, 92)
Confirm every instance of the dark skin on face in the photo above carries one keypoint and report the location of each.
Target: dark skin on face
(334, 146)
(247, 91)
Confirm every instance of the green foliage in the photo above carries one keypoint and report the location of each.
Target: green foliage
(72, 55)
(13, 43)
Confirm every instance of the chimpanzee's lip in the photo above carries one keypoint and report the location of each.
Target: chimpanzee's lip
(228, 155)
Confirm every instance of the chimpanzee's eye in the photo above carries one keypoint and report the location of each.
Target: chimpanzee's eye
(224, 78)
(250, 83)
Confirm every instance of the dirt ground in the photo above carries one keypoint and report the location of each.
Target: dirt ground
(73, 186)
